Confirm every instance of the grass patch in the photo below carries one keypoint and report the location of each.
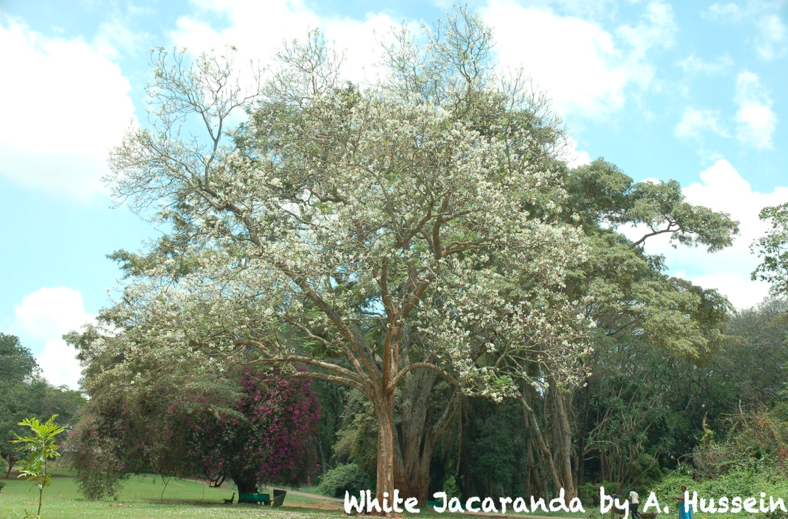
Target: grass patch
(142, 498)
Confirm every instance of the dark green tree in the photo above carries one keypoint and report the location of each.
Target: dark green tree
(24, 394)
(773, 249)
(630, 299)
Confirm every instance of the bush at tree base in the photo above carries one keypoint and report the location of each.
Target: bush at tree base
(349, 477)
(750, 459)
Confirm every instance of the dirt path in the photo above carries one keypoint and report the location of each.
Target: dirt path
(314, 496)
(336, 504)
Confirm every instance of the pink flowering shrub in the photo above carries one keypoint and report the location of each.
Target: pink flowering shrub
(262, 430)
(268, 439)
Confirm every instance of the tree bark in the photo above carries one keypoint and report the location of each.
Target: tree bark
(565, 443)
(415, 480)
(417, 436)
(246, 483)
(547, 455)
(323, 461)
(582, 436)
(384, 410)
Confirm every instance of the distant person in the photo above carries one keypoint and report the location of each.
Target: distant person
(682, 513)
(634, 501)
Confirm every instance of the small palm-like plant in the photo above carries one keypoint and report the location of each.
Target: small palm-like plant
(41, 447)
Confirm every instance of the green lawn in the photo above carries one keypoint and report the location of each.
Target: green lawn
(141, 499)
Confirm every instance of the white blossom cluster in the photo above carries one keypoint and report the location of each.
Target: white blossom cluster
(365, 231)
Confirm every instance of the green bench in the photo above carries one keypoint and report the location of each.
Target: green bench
(258, 499)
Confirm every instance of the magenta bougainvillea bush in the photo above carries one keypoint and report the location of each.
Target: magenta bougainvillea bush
(257, 426)
(267, 438)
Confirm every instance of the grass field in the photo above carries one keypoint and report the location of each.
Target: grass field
(142, 498)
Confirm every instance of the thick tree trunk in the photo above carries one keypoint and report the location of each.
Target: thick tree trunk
(547, 455)
(11, 462)
(531, 460)
(565, 443)
(384, 410)
(582, 437)
(417, 436)
(415, 481)
(414, 445)
(246, 482)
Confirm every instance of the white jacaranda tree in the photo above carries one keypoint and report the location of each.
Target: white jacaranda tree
(370, 232)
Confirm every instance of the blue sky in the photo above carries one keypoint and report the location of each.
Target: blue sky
(692, 91)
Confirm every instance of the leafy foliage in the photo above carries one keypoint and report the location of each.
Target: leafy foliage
(367, 231)
(356, 439)
(601, 192)
(177, 418)
(41, 447)
(95, 455)
(18, 362)
(267, 439)
(23, 394)
(756, 441)
(773, 248)
(419, 229)
(344, 478)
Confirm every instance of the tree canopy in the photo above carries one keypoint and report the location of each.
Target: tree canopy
(773, 248)
(367, 232)
(416, 238)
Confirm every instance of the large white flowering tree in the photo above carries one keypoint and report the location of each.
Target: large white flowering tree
(372, 233)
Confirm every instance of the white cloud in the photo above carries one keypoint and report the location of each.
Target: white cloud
(42, 318)
(695, 65)
(722, 188)
(728, 12)
(755, 118)
(582, 67)
(64, 106)
(259, 29)
(771, 33)
(572, 156)
(656, 28)
(115, 38)
(694, 121)
(581, 70)
(59, 364)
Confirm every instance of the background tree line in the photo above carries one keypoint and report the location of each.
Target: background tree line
(24, 394)
(646, 416)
